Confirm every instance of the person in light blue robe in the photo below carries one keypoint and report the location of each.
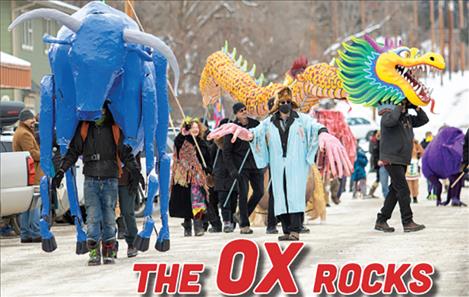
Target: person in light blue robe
(287, 141)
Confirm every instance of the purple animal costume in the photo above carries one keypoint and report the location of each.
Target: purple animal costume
(442, 159)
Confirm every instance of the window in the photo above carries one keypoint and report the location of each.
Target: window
(6, 147)
(47, 29)
(27, 36)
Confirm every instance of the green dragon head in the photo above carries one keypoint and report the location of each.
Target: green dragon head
(374, 74)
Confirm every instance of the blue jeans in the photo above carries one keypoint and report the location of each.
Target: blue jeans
(100, 202)
(29, 223)
(384, 181)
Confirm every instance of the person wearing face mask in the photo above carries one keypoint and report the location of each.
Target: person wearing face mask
(234, 154)
(24, 140)
(189, 187)
(287, 141)
(101, 145)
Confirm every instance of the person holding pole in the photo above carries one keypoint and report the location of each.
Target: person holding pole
(288, 141)
(233, 154)
(189, 187)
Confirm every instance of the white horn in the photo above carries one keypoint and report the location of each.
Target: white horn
(48, 13)
(134, 36)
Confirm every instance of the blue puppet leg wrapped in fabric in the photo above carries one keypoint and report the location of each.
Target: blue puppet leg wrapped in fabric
(48, 239)
(164, 161)
(142, 241)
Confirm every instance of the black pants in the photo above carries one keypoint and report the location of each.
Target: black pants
(213, 214)
(291, 222)
(256, 178)
(127, 207)
(228, 211)
(271, 219)
(398, 192)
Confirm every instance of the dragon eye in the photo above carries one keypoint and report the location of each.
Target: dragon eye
(404, 54)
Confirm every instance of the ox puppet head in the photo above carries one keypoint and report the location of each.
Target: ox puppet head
(100, 38)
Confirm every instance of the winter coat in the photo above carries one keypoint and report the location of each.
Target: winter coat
(234, 153)
(397, 134)
(221, 174)
(359, 171)
(24, 141)
(99, 152)
(289, 157)
(374, 153)
(180, 204)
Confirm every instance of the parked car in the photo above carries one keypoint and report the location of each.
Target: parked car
(361, 127)
(17, 192)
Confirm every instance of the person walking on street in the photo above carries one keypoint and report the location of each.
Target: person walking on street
(189, 187)
(127, 196)
(412, 174)
(395, 152)
(424, 143)
(101, 145)
(234, 154)
(24, 140)
(359, 174)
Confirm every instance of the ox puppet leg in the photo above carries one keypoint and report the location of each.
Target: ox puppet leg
(46, 133)
(81, 247)
(162, 243)
(142, 241)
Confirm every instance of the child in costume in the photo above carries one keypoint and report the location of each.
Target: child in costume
(412, 174)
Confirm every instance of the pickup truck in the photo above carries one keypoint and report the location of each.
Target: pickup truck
(17, 193)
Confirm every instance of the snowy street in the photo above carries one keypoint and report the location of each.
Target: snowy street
(346, 236)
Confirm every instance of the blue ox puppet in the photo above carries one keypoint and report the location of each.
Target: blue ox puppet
(100, 55)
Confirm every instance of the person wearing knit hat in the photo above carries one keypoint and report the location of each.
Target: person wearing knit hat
(234, 153)
(26, 114)
(24, 140)
(238, 106)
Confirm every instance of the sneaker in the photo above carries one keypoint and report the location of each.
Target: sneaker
(214, 229)
(131, 251)
(246, 230)
(228, 228)
(304, 229)
(383, 226)
(413, 227)
(336, 200)
(271, 230)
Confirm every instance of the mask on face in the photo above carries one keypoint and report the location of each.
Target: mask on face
(285, 108)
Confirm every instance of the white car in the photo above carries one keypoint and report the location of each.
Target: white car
(361, 127)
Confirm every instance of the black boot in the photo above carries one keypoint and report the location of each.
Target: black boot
(94, 253)
(199, 227)
(382, 225)
(109, 252)
(187, 225)
(121, 228)
(415, 200)
(413, 227)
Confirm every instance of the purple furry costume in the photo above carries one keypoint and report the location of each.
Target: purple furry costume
(442, 159)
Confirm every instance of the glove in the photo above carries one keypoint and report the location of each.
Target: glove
(235, 175)
(134, 180)
(57, 179)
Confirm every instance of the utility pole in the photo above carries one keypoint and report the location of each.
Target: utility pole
(450, 37)
(462, 49)
(432, 23)
(441, 30)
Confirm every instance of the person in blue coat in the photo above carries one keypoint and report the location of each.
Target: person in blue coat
(359, 173)
(288, 141)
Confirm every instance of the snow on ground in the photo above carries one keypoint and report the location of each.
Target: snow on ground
(451, 104)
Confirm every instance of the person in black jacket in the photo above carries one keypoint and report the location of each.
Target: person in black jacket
(223, 183)
(102, 155)
(189, 187)
(234, 154)
(395, 152)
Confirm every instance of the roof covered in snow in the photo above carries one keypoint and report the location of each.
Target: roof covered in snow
(12, 60)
